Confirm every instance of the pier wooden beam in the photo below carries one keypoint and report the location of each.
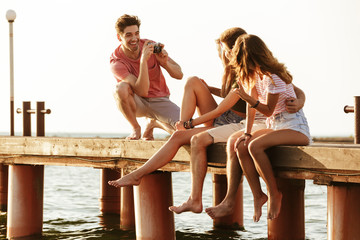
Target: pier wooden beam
(323, 163)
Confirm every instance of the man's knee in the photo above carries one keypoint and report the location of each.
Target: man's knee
(201, 140)
(124, 90)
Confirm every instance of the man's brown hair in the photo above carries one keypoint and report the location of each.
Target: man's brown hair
(125, 21)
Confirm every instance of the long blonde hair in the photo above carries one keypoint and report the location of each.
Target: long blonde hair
(228, 37)
(251, 56)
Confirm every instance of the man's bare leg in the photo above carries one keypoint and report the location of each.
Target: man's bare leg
(234, 175)
(198, 166)
(124, 97)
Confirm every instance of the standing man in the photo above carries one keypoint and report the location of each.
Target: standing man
(141, 90)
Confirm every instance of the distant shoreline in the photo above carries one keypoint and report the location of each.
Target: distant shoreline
(334, 139)
(337, 139)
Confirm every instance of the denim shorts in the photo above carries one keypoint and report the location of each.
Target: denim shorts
(226, 118)
(294, 121)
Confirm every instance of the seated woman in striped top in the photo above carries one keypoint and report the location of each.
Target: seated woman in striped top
(270, 84)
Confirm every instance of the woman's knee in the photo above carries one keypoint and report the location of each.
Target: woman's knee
(192, 82)
(255, 148)
(242, 150)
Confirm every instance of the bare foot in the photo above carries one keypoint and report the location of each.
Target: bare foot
(258, 203)
(275, 205)
(127, 180)
(220, 210)
(190, 205)
(148, 133)
(135, 135)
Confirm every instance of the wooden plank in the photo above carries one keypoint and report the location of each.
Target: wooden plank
(90, 147)
(317, 156)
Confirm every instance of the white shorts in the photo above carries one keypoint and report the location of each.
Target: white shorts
(222, 133)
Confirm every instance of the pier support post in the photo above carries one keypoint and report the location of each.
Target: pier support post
(343, 211)
(291, 222)
(110, 196)
(26, 186)
(4, 173)
(127, 212)
(235, 220)
(25, 202)
(152, 198)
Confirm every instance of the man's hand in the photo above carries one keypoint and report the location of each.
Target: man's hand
(162, 57)
(293, 105)
(147, 51)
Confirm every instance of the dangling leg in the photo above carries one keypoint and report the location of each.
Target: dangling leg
(199, 143)
(257, 149)
(164, 155)
(234, 175)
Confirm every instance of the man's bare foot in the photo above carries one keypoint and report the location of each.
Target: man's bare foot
(188, 206)
(135, 135)
(258, 203)
(127, 180)
(275, 205)
(220, 210)
(148, 133)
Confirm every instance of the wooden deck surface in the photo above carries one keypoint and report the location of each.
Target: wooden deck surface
(324, 163)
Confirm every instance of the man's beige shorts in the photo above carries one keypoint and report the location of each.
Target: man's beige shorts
(159, 108)
(222, 133)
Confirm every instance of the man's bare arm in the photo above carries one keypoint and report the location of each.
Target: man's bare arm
(293, 105)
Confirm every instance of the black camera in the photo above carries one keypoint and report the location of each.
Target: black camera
(157, 47)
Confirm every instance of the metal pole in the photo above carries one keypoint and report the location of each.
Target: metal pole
(11, 15)
(357, 120)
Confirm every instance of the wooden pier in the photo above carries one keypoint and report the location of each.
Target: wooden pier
(334, 165)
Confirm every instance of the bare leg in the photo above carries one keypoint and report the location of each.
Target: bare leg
(159, 159)
(257, 149)
(252, 176)
(153, 123)
(196, 96)
(148, 132)
(234, 175)
(199, 142)
(124, 97)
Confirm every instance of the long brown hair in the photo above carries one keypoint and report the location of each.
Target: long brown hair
(228, 37)
(251, 56)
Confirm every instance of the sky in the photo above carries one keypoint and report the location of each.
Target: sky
(62, 50)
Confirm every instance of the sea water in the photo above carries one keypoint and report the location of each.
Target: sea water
(71, 210)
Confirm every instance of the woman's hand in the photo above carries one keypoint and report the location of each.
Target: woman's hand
(244, 138)
(240, 91)
(179, 125)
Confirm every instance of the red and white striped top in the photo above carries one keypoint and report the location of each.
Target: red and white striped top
(274, 85)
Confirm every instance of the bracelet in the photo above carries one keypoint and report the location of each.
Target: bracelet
(248, 134)
(188, 124)
(256, 104)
